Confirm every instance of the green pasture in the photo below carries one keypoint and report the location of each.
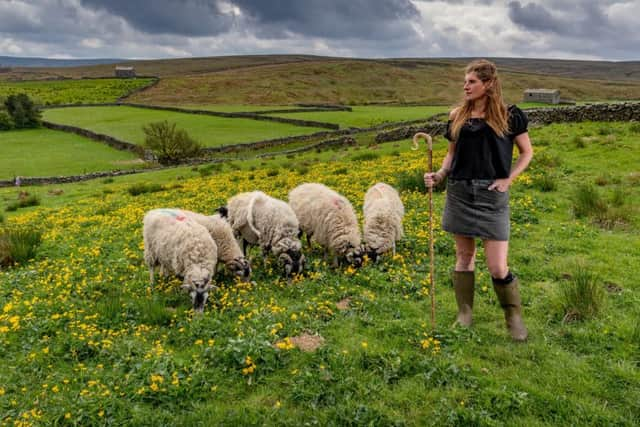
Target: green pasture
(126, 123)
(368, 116)
(81, 91)
(85, 341)
(236, 108)
(44, 152)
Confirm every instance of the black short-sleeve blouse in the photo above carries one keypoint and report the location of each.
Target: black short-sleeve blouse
(480, 153)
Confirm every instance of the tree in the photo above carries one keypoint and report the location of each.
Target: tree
(170, 145)
(23, 111)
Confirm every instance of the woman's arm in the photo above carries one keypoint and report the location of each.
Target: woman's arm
(524, 158)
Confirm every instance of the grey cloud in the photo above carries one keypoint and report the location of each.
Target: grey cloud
(180, 17)
(535, 17)
(582, 19)
(332, 19)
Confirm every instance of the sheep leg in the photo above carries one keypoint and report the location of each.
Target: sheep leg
(245, 244)
(152, 270)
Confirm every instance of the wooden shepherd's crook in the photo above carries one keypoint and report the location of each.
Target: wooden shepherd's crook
(415, 146)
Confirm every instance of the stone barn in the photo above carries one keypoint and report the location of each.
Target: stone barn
(547, 96)
(125, 72)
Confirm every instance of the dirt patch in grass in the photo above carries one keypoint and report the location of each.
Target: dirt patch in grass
(343, 304)
(307, 342)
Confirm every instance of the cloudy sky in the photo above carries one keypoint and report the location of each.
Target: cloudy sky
(578, 29)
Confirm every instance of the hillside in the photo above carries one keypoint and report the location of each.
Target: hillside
(361, 82)
(289, 79)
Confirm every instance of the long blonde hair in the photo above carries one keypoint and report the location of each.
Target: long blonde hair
(496, 114)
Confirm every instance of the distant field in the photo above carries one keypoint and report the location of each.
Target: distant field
(358, 82)
(44, 152)
(86, 91)
(368, 116)
(235, 108)
(126, 123)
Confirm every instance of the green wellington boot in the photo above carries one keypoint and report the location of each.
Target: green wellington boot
(463, 285)
(509, 298)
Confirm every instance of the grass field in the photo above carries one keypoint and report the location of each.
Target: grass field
(44, 152)
(355, 82)
(85, 341)
(126, 123)
(368, 116)
(85, 91)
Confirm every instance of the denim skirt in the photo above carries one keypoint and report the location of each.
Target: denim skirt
(474, 211)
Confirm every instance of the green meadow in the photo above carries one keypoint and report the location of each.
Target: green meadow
(79, 91)
(44, 152)
(368, 116)
(126, 123)
(84, 339)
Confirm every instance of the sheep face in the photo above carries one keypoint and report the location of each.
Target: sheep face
(198, 288)
(241, 268)
(372, 253)
(354, 256)
(293, 262)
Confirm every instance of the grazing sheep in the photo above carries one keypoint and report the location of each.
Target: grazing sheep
(383, 212)
(268, 222)
(229, 251)
(329, 219)
(175, 243)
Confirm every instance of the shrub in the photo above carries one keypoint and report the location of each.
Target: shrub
(1, 218)
(6, 122)
(24, 201)
(587, 201)
(23, 111)
(170, 145)
(107, 180)
(273, 172)
(545, 183)
(582, 296)
(141, 188)
(18, 245)
(635, 127)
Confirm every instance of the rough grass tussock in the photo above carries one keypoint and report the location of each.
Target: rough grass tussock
(18, 245)
(583, 295)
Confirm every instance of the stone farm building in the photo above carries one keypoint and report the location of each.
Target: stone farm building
(548, 96)
(125, 72)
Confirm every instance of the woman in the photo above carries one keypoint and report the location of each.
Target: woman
(482, 132)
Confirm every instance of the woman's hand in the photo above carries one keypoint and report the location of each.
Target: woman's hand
(502, 185)
(431, 179)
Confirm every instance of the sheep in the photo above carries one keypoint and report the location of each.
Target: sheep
(329, 219)
(259, 219)
(229, 251)
(383, 212)
(175, 243)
